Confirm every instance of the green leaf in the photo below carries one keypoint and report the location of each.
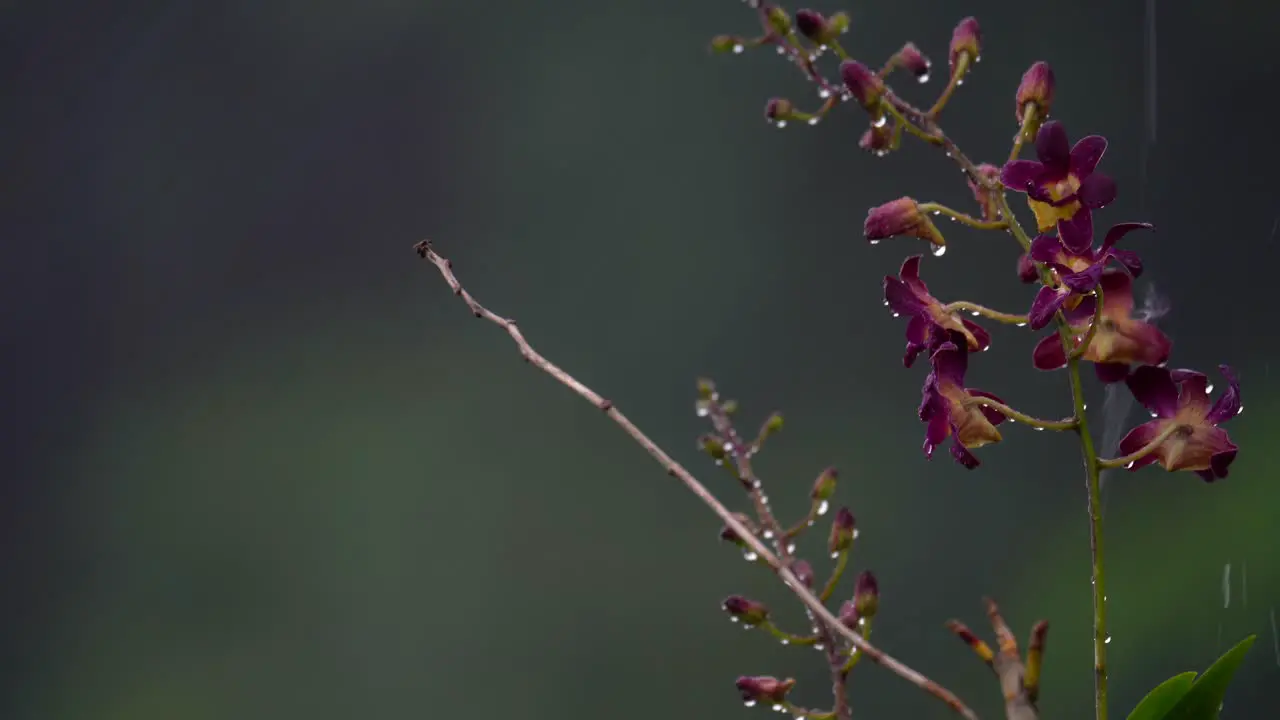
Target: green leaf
(1204, 698)
(1161, 700)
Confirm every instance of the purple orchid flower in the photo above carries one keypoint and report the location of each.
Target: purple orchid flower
(1062, 188)
(930, 323)
(1078, 271)
(949, 411)
(1121, 339)
(1181, 398)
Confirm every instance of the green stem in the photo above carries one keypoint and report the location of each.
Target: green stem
(1030, 119)
(1092, 468)
(865, 631)
(964, 219)
(787, 638)
(1093, 326)
(829, 589)
(986, 312)
(1005, 410)
(962, 67)
(1145, 450)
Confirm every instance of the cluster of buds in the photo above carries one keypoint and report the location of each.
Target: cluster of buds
(735, 453)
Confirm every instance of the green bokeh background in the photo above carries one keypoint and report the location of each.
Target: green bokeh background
(264, 465)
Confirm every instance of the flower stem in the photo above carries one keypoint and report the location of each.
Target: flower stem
(986, 312)
(1005, 410)
(830, 588)
(1092, 468)
(1093, 326)
(964, 219)
(962, 67)
(787, 637)
(1030, 118)
(1145, 450)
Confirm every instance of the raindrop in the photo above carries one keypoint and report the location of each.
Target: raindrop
(819, 646)
(782, 124)
(960, 82)
(728, 447)
(823, 507)
(809, 523)
(923, 79)
(733, 618)
(824, 93)
(750, 556)
(1084, 406)
(782, 50)
(748, 703)
(835, 555)
(1130, 465)
(738, 48)
(879, 121)
(1240, 410)
(886, 303)
(777, 708)
(939, 250)
(1021, 324)
(855, 533)
(1107, 640)
(937, 212)
(862, 622)
(1039, 429)
(975, 313)
(874, 242)
(791, 548)
(815, 120)
(896, 315)
(1208, 388)
(785, 641)
(703, 411)
(768, 534)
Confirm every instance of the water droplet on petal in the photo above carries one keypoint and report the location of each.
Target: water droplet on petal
(823, 507)
(824, 93)
(1208, 388)
(791, 547)
(1240, 410)
(896, 314)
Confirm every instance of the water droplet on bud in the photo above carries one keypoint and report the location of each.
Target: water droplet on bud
(823, 507)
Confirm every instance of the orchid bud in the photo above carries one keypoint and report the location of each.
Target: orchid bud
(877, 139)
(713, 446)
(1036, 87)
(901, 217)
(779, 111)
(985, 197)
(726, 44)
(811, 24)
(842, 531)
(848, 615)
(779, 20)
(728, 534)
(915, 61)
(1027, 271)
(866, 595)
(745, 611)
(966, 39)
(863, 84)
(803, 572)
(764, 689)
(825, 486)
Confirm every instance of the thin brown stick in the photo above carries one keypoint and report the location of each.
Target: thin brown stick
(674, 469)
(1019, 683)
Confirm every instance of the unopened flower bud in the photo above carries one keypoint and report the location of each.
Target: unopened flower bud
(726, 44)
(986, 197)
(706, 389)
(713, 446)
(825, 486)
(1027, 271)
(745, 611)
(878, 140)
(803, 572)
(779, 110)
(900, 217)
(842, 531)
(915, 61)
(866, 594)
(811, 24)
(1036, 87)
(848, 614)
(764, 689)
(863, 84)
(967, 39)
(779, 20)
(728, 534)
(773, 424)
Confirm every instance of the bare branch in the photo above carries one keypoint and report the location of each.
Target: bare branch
(674, 469)
(1020, 684)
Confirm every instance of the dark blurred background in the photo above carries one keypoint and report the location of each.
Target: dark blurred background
(261, 464)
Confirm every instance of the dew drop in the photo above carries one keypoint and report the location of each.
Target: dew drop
(1084, 406)
(823, 507)
(975, 313)
(1021, 324)
(960, 82)
(733, 618)
(923, 79)
(896, 315)
(777, 707)
(750, 556)
(880, 121)
(785, 641)
(703, 411)
(1106, 640)
(874, 242)
(977, 59)
(835, 555)
(781, 124)
(1039, 429)
(819, 646)
(815, 120)
(1208, 388)
(862, 622)
(748, 703)
(855, 533)
(824, 93)
(886, 303)
(768, 534)
(939, 250)
(1240, 410)
(738, 48)
(937, 212)
(1130, 465)
(791, 547)
(782, 50)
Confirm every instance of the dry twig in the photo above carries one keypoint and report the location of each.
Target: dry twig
(674, 469)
